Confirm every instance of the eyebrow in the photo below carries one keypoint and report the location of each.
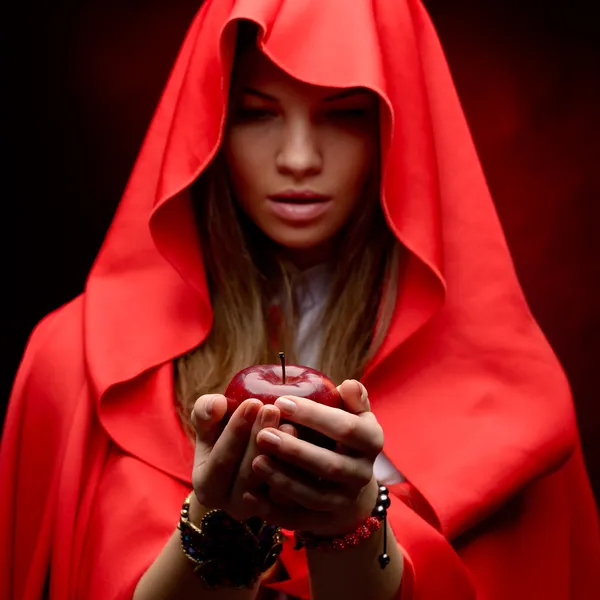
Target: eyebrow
(344, 94)
(254, 92)
(347, 94)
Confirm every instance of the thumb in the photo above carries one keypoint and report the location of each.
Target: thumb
(207, 414)
(354, 396)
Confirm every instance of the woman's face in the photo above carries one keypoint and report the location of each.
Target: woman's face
(299, 156)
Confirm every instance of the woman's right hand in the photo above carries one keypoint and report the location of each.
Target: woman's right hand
(223, 458)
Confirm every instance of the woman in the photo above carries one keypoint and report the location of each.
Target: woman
(395, 272)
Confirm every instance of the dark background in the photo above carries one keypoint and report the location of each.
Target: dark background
(81, 80)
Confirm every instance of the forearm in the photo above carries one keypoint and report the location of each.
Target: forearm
(355, 573)
(171, 575)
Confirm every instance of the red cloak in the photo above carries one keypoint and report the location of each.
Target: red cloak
(476, 410)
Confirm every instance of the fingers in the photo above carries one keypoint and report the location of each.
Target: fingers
(353, 472)
(274, 495)
(295, 517)
(288, 428)
(281, 499)
(286, 487)
(359, 432)
(287, 517)
(245, 477)
(207, 413)
(268, 417)
(354, 396)
(312, 512)
(214, 474)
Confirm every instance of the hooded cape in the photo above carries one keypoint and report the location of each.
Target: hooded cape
(477, 413)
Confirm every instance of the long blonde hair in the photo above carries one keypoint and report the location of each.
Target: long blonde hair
(245, 274)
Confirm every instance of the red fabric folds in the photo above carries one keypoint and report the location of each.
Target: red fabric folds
(476, 410)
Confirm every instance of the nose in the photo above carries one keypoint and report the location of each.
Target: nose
(299, 154)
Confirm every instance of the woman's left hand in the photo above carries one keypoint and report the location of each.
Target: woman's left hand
(326, 492)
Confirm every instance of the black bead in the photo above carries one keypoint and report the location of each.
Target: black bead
(383, 500)
(383, 489)
(379, 511)
(384, 560)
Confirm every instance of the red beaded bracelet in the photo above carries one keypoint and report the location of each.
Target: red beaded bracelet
(362, 532)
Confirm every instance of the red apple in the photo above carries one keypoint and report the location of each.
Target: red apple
(269, 382)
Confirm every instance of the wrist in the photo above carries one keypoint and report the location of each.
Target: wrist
(363, 507)
(365, 503)
(370, 546)
(196, 510)
(226, 552)
(366, 531)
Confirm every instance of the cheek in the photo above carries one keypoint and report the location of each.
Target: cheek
(353, 160)
(245, 157)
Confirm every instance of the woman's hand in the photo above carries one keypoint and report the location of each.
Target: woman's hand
(327, 492)
(224, 453)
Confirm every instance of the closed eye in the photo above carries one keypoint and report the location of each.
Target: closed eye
(356, 112)
(254, 114)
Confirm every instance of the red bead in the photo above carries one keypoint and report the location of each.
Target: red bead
(338, 544)
(363, 531)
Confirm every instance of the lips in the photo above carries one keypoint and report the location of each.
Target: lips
(299, 197)
(299, 207)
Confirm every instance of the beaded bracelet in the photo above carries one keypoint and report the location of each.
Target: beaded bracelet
(226, 552)
(364, 531)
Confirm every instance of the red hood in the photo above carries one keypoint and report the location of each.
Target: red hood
(470, 395)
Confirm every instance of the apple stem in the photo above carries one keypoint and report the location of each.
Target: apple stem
(282, 359)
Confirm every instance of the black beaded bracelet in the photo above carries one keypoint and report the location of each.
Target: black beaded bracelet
(372, 523)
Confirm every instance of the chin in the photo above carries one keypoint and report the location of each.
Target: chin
(302, 244)
(306, 254)
(298, 244)
(293, 238)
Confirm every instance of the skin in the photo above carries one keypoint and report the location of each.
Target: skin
(227, 473)
(285, 134)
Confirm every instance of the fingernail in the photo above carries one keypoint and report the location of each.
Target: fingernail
(289, 429)
(364, 395)
(269, 438)
(250, 411)
(269, 417)
(249, 498)
(208, 407)
(264, 466)
(286, 406)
